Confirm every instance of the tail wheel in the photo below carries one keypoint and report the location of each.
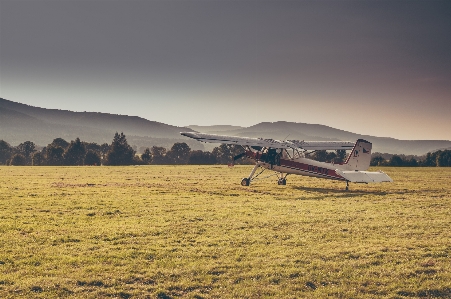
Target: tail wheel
(282, 182)
(245, 182)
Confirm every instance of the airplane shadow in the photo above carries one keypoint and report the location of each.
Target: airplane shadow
(337, 192)
(323, 193)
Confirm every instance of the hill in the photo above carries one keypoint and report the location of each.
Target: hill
(20, 122)
(300, 131)
(214, 129)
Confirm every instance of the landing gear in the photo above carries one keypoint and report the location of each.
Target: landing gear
(245, 182)
(347, 185)
(252, 176)
(281, 181)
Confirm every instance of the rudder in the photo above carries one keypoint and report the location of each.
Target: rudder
(360, 156)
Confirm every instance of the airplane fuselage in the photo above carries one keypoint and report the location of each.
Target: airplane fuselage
(299, 166)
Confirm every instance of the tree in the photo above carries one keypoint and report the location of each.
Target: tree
(377, 161)
(5, 152)
(158, 155)
(444, 158)
(431, 160)
(104, 149)
(146, 157)
(92, 146)
(60, 142)
(412, 162)
(201, 158)
(396, 160)
(138, 161)
(92, 158)
(75, 153)
(54, 155)
(330, 157)
(320, 156)
(226, 152)
(18, 160)
(178, 154)
(120, 152)
(26, 149)
(341, 155)
(38, 159)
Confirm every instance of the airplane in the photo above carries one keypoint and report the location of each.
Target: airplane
(291, 157)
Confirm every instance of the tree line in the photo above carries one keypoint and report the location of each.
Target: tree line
(61, 152)
(119, 152)
(440, 158)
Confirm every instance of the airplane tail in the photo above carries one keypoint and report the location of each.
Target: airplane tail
(360, 156)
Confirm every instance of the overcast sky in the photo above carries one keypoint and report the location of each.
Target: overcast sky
(372, 67)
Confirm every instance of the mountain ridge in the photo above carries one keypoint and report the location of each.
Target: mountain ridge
(21, 122)
(283, 130)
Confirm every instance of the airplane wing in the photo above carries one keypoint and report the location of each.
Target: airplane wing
(237, 140)
(364, 176)
(323, 145)
(306, 145)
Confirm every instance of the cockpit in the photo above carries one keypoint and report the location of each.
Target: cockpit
(273, 155)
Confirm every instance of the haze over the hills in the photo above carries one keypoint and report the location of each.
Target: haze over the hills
(20, 122)
(380, 68)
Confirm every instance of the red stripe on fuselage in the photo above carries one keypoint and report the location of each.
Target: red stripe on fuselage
(317, 170)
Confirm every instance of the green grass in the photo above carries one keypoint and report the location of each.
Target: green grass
(195, 232)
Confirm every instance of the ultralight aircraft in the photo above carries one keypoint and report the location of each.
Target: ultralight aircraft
(291, 157)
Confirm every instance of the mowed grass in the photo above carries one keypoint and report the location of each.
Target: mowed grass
(195, 232)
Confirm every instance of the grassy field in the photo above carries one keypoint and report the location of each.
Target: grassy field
(195, 232)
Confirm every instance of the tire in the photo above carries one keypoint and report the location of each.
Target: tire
(282, 182)
(245, 182)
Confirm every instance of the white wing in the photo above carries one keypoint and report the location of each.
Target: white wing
(323, 145)
(306, 145)
(237, 140)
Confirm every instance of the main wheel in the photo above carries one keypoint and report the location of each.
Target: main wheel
(245, 182)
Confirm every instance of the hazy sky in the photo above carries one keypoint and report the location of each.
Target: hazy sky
(373, 67)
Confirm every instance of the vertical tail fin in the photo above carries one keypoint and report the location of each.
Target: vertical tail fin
(360, 156)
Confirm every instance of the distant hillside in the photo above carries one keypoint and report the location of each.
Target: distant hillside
(216, 129)
(19, 123)
(287, 130)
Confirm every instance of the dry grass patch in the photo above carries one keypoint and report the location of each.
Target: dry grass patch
(194, 232)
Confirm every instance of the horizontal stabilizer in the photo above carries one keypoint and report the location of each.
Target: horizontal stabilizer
(364, 176)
